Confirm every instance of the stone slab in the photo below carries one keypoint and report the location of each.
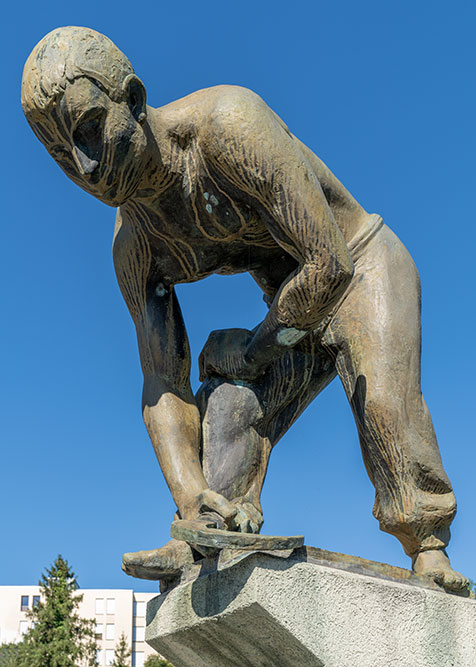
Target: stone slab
(310, 608)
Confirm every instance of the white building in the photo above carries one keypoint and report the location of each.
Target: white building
(114, 611)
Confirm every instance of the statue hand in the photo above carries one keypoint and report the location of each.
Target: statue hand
(247, 518)
(238, 515)
(211, 502)
(224, 354)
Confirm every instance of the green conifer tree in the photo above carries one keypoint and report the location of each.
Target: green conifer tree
(59, 637)
(157, 661)
(122, 653)
(9, 654)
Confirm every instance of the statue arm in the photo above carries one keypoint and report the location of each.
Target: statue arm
(300, 220)
(271, 170)
(169, 409)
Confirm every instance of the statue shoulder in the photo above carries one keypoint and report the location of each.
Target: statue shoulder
(235, 104)
(218, 114)
(120, 228)
(209, 110)
(130, 241)
(238, 117)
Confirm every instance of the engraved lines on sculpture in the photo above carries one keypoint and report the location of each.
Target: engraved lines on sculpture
(216, 183)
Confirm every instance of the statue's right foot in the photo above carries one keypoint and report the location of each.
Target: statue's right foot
(164, 563)
(435, 564)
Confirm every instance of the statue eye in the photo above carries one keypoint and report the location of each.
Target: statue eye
(88, 137)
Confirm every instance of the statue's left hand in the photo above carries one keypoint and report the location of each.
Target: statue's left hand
(238, 515)
(210, 501)
(247, 518)
(224, 354)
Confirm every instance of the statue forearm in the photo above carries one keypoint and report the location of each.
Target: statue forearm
(173, 423)
(301, 304)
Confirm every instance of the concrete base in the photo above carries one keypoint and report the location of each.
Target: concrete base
(311, 609)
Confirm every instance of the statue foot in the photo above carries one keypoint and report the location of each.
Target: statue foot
(435, 564)
(164, 563)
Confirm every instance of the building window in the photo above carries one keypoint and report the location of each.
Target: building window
(23, 627)
(99, 630)
(24, 602)
(110, 606)
(138, 633)
(139, 608)
(110, 631)
(36, 600)
(109, 656)
(99, 605)
(100, 657)
(138, 659)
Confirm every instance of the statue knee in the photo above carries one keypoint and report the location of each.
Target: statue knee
(379, 405)
(227, 406)
(231, 448)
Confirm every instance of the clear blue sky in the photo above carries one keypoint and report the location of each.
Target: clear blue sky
(384, 92)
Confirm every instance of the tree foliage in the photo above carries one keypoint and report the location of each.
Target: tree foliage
(471, 588)
(157, 661)
(9, 654)
(122, 653)
(59, 637)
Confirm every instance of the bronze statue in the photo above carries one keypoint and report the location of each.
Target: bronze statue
(216, 183)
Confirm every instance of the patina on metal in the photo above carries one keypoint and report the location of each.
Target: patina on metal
(216, 183)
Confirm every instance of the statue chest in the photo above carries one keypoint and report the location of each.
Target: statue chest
(203, 230)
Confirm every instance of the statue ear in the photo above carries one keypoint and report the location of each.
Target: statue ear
(136, 97)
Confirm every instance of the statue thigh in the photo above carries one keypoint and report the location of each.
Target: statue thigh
(241, 422)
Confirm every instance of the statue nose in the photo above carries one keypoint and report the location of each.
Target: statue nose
(84, 163)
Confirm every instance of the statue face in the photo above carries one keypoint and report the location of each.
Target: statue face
(98, 143)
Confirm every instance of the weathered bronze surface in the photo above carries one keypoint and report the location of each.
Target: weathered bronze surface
(199, 534)
(216, 183)
(229, 557)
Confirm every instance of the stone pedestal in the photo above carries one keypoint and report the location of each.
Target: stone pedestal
(310, 608)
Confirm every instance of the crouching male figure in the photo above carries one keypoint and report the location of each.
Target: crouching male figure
(216, 183)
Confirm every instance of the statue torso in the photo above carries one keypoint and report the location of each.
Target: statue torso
(197, 222)
(200, 225)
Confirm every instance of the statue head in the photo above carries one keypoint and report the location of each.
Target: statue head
(86, 105)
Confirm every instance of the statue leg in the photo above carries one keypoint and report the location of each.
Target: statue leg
(241, 422)
(375, 339)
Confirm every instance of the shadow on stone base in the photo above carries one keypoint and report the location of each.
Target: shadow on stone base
(310, 608)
